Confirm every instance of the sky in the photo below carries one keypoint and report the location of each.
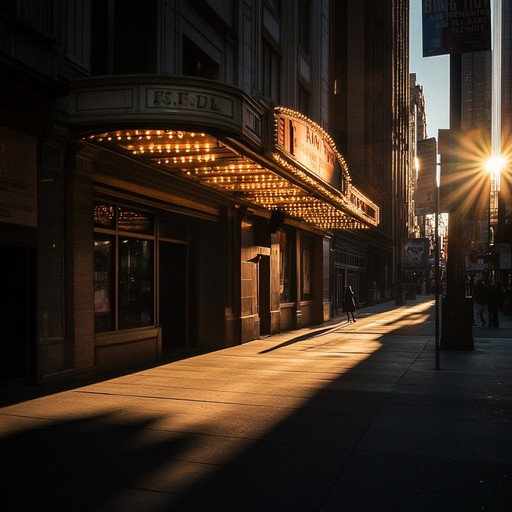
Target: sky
(432, 73)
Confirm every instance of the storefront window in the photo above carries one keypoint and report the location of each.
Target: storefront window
(135, 221)
(103, 284)
(135, 282)
(123, 243)
(104, 216)
(306, 268)
(285, 277)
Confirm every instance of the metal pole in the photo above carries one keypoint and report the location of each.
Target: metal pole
(436, 266)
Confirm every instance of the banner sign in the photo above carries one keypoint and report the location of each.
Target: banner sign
(456, 26)
(424, 198)
(415, 252)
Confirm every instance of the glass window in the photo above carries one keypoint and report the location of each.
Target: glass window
(198, 63)
(104, 215)
(303, 100)
(123, 268)
(306, 268)
(124, 37)
(271, 72)
(285, 253)
(274, 4)
(135, 282)
(305, 25)
(103, 284)
(135, 221)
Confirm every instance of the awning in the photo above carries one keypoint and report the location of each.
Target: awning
(216, 136)
(212, 162)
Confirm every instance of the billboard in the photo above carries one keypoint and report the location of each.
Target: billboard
(456, 26)
(415, 253)
(424, 198)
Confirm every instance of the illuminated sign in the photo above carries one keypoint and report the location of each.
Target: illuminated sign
(306, 144)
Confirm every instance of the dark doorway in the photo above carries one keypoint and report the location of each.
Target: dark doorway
(17, 309)
(339, 289)
(264, 295)
(174, 298)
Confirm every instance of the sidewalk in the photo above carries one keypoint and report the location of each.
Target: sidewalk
(341, 417)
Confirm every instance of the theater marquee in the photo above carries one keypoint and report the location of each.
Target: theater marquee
(308, 146)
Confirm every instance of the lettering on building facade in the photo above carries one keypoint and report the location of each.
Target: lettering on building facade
(182, 99)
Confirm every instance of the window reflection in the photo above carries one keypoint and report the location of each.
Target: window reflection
(135, 283)
(103, 285)
(285, 254)
(125, 300)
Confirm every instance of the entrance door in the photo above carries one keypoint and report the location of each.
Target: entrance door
(339, 289)
(173, 295)
(264, 294)
(17, 309)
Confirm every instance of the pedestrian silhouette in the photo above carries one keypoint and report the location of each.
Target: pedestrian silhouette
(481, 298)
(349, 304)
(495, 303)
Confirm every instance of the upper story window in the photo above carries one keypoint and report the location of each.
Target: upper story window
(34, 13)
(271, 72)
(198, 63)
(305, 25)
(275, 5)
(304, 97)
(123, 37)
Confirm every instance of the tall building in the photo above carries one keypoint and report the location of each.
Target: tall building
(370, 124)
(504, 226)
(422, 193)
(172, 174)
(418, 132)
(169, 182)
(485, 105)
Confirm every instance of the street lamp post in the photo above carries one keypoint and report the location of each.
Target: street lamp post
(436, 268)
(457, 311)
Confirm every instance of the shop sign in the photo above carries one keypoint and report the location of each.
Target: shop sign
(415, 252)
(426, 179)
(18, 178)
(456, 26)
(308, 146)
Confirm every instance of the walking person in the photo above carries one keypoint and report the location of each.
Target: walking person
(495, 303)
(481, 297)
(349, 303)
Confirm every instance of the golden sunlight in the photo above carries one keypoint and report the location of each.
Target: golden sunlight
(464, 177)
(495, 164)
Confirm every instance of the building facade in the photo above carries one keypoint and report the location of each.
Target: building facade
(370, 123)
(169, 183)
(485, 106)
(504, 221)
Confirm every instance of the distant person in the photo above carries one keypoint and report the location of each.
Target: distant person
(349, 304)
(495, 303)
(481, 297)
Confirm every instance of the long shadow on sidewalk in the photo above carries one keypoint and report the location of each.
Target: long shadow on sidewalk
(351, 418)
